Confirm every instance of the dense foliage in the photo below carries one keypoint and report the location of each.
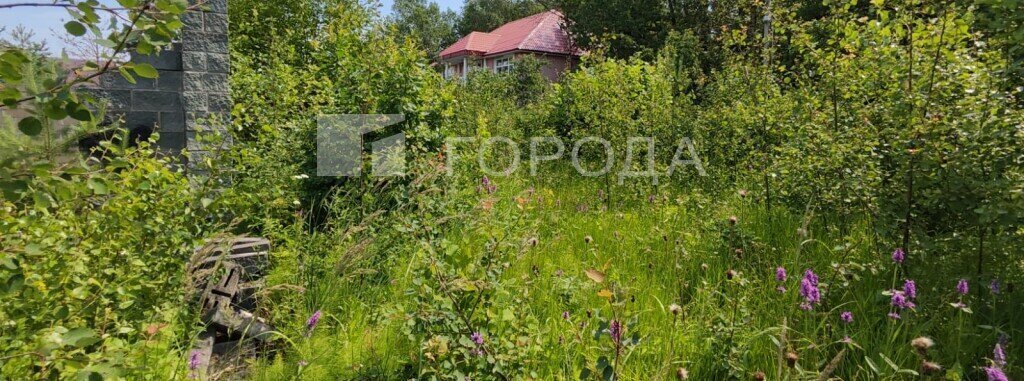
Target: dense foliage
(857, 213)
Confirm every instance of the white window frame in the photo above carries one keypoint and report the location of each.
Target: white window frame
(503, 64)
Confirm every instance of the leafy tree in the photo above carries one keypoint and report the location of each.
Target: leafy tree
(24, 39)
(256, 25)
(432, 28)
(486, 15)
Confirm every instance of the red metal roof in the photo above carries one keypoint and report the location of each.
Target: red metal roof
(542, 32)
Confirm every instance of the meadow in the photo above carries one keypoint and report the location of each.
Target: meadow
(858, 215)
(540, 271)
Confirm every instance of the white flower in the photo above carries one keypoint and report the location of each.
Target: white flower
(301, 177)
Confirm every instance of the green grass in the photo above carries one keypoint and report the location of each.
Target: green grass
(653, 255)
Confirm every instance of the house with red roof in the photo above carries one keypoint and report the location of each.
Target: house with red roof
(542, 35)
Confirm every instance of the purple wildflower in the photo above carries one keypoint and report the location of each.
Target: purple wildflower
(994, 286)
(894, 316)
(998, 356)
(313, 320)
(193, 364)
(303, 363)
(846, 317)
(780, 274)
(961, 287)
(995, 374)
(910, 289)
(898, 255)
(477, 338)
(565, 315)
(615, 331)
(809, 290)
(487, 186)
(899, 299)
(193, 360)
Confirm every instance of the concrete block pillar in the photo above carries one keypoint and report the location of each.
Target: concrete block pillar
(191, 96)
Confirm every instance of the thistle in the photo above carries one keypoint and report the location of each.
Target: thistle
(682, 374)
(675, 309)
(929, 368)
(791, 359)
(922, 344)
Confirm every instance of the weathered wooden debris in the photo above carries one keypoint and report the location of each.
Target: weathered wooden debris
(228, 274)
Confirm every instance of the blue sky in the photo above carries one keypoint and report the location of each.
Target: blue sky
(45, 21)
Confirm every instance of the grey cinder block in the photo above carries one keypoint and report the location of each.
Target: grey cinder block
(219, 102)
(192, 20)
(171, 140)
(218, 63)
(193, 61)
(114, 80)
(195, 101)
(172, 122)
(216, 23)
(169, 80)
(153, 100)
(168, 59)
(140, 118)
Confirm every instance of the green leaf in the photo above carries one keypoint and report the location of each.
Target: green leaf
(98, 185)
(14, 283)
(30, 126)
(78, 112)
(127, 76)
(106, 43)
(146, 70)
(33, 249)
(75, 28)
(54, 110)
(9, 96)
(80, 337)
(9, 263)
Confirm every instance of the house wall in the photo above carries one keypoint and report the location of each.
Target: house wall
(553, 69)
